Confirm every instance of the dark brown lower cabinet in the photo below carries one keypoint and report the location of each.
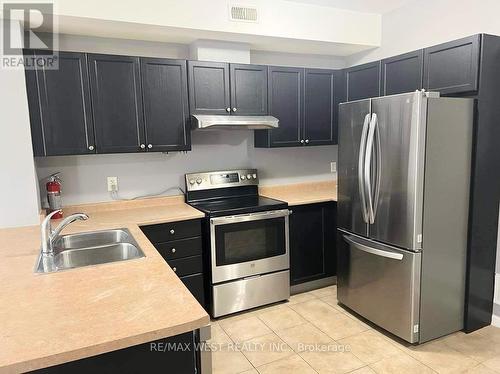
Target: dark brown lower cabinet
(173, 355)
(180, 245)
(312, 242)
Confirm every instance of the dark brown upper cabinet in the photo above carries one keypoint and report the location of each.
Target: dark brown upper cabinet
(209, 87)
(305, 101)
(452, 67)
(59, 102)
(320, 106)
(402, 73)
(248, 89)
(221, 88)
(165, 103)
(363, 81)
(116, 103)
(286, 102)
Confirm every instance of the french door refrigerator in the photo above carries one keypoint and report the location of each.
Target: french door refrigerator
(403, 196)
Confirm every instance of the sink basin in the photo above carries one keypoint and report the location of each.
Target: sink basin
(92, 239)
(90, 248)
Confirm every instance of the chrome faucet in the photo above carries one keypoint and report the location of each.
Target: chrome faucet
(49, 236)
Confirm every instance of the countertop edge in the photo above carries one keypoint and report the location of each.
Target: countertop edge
(103, 348)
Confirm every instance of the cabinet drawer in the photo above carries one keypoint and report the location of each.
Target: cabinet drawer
(166, 232)
(179, 248)
(194, 284)
(187, 266)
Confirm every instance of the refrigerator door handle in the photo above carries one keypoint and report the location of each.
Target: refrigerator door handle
(378, 152)
(361, 162)
(367, 167)
(374, 251)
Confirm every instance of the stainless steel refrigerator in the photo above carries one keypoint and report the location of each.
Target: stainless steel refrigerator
(403, 195)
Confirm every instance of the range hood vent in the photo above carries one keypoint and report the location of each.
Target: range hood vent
(234, 122)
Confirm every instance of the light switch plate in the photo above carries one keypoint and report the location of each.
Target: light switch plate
(112, 184)
(333, 167)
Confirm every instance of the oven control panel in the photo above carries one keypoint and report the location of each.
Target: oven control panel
(221, 179)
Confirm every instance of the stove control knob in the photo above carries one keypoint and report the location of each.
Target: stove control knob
(191, 182)
(199, 181)
(249, 176)
(254, 176)
(243, 177)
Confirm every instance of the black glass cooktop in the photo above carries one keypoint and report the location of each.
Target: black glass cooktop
(238, 205)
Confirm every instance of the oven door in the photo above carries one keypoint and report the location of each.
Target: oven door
(249, 244)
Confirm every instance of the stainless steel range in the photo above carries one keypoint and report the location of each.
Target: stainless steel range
(247, 250)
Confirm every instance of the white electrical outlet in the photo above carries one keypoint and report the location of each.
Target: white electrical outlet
(333, 167)
(112, 184)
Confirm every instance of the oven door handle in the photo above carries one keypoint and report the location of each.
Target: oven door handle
(249, 217)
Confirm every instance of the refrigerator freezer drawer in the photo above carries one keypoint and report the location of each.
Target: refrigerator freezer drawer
(381, 283)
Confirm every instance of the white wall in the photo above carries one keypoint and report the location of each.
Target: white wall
(282, 25)
(18, 194)
(84, 177)
(423, 23)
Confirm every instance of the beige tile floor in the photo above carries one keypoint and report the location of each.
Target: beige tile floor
(312, 334)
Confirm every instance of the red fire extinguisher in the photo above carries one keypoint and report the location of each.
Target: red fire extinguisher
(54, 195)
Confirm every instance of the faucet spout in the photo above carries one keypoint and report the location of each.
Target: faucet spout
(49, 236)
(65, 222)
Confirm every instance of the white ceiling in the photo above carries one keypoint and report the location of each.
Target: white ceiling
(368, 6)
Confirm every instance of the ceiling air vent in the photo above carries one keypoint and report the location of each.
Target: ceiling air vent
(241, 13)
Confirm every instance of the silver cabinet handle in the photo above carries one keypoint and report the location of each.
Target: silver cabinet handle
(373, 251)
(307, 141)
(367, 168)
(301, 141)
(172, 231)
(143, 146)
(91, 147)
(361, 163)
(228, 110)
(234, 109)
(174, 269)
(150, 146)
(173, 250)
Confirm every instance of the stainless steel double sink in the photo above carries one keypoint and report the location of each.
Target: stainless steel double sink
(90, 248)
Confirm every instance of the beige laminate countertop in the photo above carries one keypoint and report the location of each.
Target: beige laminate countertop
(302, 193)
(48, 319)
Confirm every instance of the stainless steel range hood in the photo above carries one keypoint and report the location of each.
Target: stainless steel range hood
(200, 121)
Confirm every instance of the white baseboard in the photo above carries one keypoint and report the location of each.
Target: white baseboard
(495, 320)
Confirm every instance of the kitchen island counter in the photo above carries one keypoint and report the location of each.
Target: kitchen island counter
(49, 319)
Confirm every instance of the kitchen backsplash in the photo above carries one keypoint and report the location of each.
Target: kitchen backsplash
(84, 177)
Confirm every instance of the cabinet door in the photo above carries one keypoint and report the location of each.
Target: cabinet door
(312, 242)
(175, 354)
(286, 102)
(116, 103)
(452, 67)
(209, 87)
(402, 73)
(60, 101)
(248, 89)
(319, 107)
(165, 100)
(363, 81)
